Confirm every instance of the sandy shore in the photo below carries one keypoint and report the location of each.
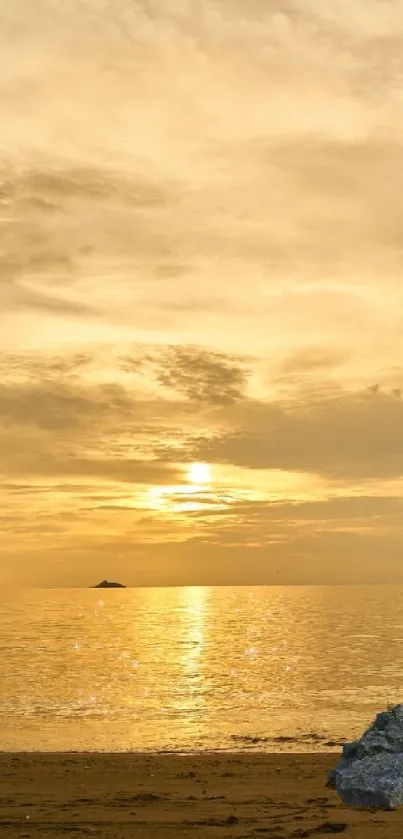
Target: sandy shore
(160, 797)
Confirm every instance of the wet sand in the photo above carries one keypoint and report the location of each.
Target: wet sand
(166, 796)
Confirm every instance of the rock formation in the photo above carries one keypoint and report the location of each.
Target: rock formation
(370, 771)
(107, 584)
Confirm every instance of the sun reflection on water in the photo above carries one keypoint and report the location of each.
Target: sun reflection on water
(194, 626)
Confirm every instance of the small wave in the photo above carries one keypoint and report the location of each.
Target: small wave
(311, 737)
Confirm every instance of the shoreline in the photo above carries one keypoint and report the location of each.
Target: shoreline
(26, 741)
(141, 795)
(171, 752)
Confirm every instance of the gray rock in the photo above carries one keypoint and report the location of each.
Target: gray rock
(373, 782)
(349, 755)
(385, 734)
(380, 750)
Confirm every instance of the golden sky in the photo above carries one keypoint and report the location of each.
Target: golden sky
(201, 250)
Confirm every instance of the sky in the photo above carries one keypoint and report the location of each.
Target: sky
(201, 302)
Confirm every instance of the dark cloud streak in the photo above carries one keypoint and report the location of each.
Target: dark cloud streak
(348, 436)
(203, 376)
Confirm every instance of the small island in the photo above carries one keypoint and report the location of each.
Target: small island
(107, 584)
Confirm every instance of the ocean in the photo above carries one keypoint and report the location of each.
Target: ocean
(297, 668)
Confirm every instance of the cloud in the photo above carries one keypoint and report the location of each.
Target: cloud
(177, 205)
(342, 508)
(57, 423)
(57, 456)
(367, 510)
(322, 429)
(202, 376)
(58, 406)
(344, 436)
(308, 360)
(58, 223)
(39, 367)
(17, 296)
(125, 469)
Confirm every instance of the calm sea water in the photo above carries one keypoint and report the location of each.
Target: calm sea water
(275, 669)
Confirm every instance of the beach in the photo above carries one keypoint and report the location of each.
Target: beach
(117, 796)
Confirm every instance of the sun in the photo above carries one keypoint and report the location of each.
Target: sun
(199, 473)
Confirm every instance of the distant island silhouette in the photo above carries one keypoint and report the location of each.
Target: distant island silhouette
(107, 584)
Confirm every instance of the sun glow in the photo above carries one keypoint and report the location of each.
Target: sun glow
(199, 473)
(195, 495)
